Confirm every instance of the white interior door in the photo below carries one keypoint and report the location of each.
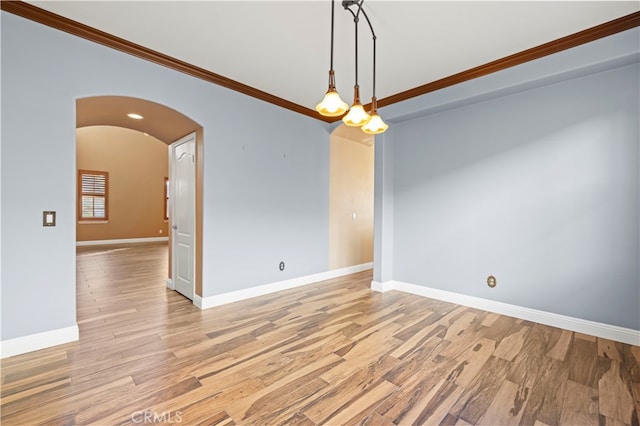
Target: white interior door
(182, 178)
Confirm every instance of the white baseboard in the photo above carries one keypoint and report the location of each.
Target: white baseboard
(34, 342)
(197, 300)
(381, 287)
(169, 283)
(606, 331)
(235, 296)
(121, 241)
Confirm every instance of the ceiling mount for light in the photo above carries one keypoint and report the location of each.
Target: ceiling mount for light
(332, 105)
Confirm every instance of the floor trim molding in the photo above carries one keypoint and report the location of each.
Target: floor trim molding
(235, 296)
(197, 300)
(169, 283)
(381, 287)
(34, 342)
(606, 331)
(121, 241)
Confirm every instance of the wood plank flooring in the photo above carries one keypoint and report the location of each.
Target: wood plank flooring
(333, 353)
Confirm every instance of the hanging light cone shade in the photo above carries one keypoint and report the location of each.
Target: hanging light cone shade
(375, 125)
(357, 116)
(332, 105)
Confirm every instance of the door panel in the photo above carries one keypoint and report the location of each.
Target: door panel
(182, 180)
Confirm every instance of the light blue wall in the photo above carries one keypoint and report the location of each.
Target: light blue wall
(266, 185)
(530, 174)
(539, 188)
(269, 202)
(383, 206)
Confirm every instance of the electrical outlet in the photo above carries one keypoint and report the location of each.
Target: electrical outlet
(491, 281)
(281, 266)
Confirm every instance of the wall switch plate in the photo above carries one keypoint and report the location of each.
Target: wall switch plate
(48, 218)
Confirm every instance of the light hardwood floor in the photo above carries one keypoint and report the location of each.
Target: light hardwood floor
(330, 353)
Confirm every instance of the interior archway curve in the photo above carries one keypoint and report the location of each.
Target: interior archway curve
(160, 121)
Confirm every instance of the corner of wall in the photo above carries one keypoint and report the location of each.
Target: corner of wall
(383, 217)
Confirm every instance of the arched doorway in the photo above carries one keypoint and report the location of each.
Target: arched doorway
(162, 123)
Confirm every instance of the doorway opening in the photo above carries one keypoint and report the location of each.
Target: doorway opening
(351, 192)
(159, 123)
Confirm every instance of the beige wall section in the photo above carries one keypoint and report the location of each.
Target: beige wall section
(137, 165)
(350, 191)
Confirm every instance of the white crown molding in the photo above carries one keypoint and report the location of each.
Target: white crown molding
(606, 331)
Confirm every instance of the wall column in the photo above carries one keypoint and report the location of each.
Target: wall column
(383, 212)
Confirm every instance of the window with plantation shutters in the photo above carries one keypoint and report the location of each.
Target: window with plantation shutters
(93, 193)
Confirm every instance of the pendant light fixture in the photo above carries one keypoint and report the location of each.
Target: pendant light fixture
(357, 116)
(332, 105)
(375, 125)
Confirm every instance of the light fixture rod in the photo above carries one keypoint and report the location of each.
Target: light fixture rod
(373, 34)
(347, 5)
(356, 18)
(333, 5)
(356, 27)
(373, 124)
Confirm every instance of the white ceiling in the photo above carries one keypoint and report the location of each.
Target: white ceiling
(282, 47)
